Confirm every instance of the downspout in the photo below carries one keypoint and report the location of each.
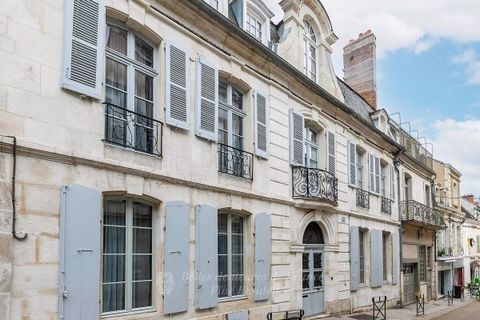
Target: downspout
(396, 163)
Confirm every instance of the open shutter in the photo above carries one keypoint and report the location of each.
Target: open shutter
(177, 86)
(354, 258)
(263, 253)
(177, 238)
(80, 217)
(371, 172)
(352, 168)
(396, 257)
(83, 47)
(331, 152)
(206, 108)
(376, 258)
(392, 182)
(377, 174)
(296, 127)
(206, 257)
(261, 115)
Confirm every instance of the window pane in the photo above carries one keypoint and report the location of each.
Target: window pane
(237, 123)
(237, 224)
(237, 244)
(117, 39)
(142, 294)
(223, 286)
(237, 99)
(142, 267)
(305, 261)
(115, 97)
(222, 119)
(237, 264)
(305, 280)
(143, 86)
(116, 74)
(222, 244)
(113, 268)
(317, 260)
(113, 240)
(142, 215)
(142, 240)
(222, 265)
(317, 279)
(143, 52)
(222, 92)
(237, 285)
(222, 223)
(114, 212)
(113, 297)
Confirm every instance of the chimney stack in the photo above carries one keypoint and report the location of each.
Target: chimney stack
(359, 66)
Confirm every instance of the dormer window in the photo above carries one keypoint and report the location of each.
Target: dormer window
(254, 26)
(310, 54)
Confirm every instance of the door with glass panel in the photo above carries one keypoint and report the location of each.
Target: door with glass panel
(312, 283)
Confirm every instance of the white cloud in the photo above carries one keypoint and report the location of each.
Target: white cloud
(471, 62)
(458, 143)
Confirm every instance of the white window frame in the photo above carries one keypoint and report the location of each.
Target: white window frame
(132, 66)
(229, 256)
(361, 256)
(231, 110)
(359, 158)
(375, 177)
(309, 145)
(257, 31)
(129, 258)
(309, 60)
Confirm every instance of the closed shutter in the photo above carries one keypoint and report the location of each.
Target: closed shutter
(206, 108)
(177, 86)
(392, 182)
(296, 126)
(376, 258)
(354, 258)
(395, 257)
(331, 152)
(352, 164)
(83, 47)
(261, 115)
(206, 257)
(177, 238)
(263, 253)
(80, 217)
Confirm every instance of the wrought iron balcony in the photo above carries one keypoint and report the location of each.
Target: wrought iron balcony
(386, 205)
(420, 213)
(316, 184)
(363, 198)
(133, 130)
(443, 202)
(235, 162)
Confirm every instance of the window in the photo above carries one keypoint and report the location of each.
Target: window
(383, 180)
(311, 148)
(385, 260)
(127, 255)
(254, 26)
(427, 196)
(407, 187)
(359, 168)
(422, 272)
(129, 90)
(310, 55)
(361, 236)
(375, 173)
(231, 252)
(231, 115)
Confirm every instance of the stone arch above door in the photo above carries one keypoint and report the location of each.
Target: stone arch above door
(325, 222)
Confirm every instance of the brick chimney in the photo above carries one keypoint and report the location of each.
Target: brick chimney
(469, 197)
(359, 66)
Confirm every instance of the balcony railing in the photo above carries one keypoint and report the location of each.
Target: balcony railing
(443, 202)
(386, 205)
(415, 211)
(363, 198)
(133, 130)
(235, 162)
(316, 184)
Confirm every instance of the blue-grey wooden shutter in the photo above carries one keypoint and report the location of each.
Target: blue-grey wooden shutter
(396, 257)
(354, 258)
(239, 315)
(263, 253)
(376, 258)
(331, 162)
(206, 257)
(392, 182)
(237, 9)
(80, 217)
(296, 126)
(371, 172)
(261, 115)
(83, 47)
(176, 261)
(177, 86)
(206, 106)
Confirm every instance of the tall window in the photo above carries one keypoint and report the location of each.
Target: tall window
(427, 196)
(254, 26)
(361, 235)
(385, 260)
(311, 148)
(310, 55)
(129, 86)
(383, 180)
(231, 115)
(422, 266)
(359, 168)
(127, 255)
(231, 252)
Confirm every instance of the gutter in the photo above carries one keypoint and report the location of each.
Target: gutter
(396, 163)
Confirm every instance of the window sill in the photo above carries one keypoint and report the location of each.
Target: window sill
(116, 146)
(231, 299)
(115, 314)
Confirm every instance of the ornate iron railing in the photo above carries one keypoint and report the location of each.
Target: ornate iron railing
(415, 211)
(133, 130)
(363, 198)
(317, 184)
(443, 202)
(386, 205)
(235, 162)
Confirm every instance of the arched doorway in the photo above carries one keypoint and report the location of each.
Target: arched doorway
(312, 270)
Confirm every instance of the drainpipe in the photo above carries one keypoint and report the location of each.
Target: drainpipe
(397, 162)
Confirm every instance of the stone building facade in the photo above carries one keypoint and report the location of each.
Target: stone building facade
(471, 237)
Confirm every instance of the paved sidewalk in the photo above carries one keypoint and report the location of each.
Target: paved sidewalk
(432, 309)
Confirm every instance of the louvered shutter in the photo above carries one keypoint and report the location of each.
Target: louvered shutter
(331, 152)
(83, 47)
(206, 108)
(296, 127)
(177, 86)
(263, 253)
(377, 174)
(371, 172)
(395, 257)
(206, 257)
(392, 182)
(352, 164)
(176, 261)
(376, 258)
(354, 258)
(80, 217)
(261, 115)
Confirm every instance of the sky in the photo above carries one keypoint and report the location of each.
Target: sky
(428, 69)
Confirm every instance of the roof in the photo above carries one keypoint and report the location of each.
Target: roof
(355, 101)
